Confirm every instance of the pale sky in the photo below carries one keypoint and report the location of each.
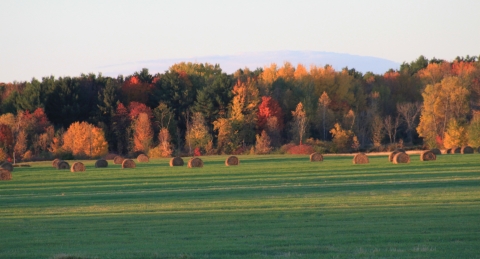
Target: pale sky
(66, 37)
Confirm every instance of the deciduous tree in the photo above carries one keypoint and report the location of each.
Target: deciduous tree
(299, 122)
(142, 133)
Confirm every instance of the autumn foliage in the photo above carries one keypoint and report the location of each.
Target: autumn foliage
(192, 106)
(83, 139)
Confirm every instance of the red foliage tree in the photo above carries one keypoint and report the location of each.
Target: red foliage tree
(135, 108)
(41, 121)
(269, 107)
(136, 91)
(6, 138)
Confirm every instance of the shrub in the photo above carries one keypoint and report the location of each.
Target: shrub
(262, 145)
(27, 156)
(301, 150)
(197, 152)
(284, 149)
(3, 155)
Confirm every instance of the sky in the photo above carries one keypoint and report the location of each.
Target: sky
(68, 37)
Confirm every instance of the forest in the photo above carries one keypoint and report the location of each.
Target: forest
(197, 109)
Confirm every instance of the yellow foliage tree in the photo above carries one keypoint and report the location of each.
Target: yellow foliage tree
(83, 139)
(442, 102)
(197, 132)
(473, 131)
(287, 72)
(300, 72)
(226, 141)
(269, 74)
(299, 122)
(262, 145)
(342, 139)
(8, 119)
(164, 148)
(244, 108)
(455, 136)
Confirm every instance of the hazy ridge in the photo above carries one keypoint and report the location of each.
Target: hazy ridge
(253, 60)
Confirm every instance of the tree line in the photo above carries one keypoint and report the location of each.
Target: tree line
(195, 108)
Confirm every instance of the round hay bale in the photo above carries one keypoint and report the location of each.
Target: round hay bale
(428, 155)
(455, 150)
(436, 151)
(176, 161)
(7, 166)
(101, 163)
(390, 157)
(62, 165)
(316, 157)
(400, 150)
(401, 158)
(128, 163)
(449, 151)
(142, 158)
(232, 160)
(77, 167)
(5, 175)
(478, 150)
(195, 162)
(118, 160)
(360, 158)
(466, 150)
(55, 162)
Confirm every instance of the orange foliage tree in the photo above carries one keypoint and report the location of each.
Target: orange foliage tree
(84, 139)
(142, 133)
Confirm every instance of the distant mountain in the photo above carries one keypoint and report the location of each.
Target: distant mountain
(253, 60)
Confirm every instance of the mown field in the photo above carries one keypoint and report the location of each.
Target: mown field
(268, 207)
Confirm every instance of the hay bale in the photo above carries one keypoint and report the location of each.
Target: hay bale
(436, 151)
(176, 161)
(195, 162)
(399, 150)
(7, 166)
(401, 158)
(232, 160)
(390, 157)
(360, 158)
(77, 167)
(62, 165)
(55, 162)
(455, 150)
(448, 151)
(5, 175)
(316, 157)
(142, 158)
(118, 160)
(101, 163)
(428, 155)
(466, 150)
(128, 163)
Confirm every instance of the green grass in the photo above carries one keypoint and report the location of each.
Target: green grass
(268, 207)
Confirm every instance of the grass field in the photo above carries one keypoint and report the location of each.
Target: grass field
(268, 207)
